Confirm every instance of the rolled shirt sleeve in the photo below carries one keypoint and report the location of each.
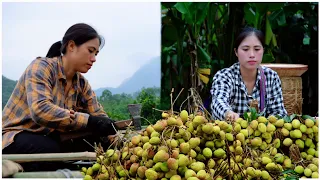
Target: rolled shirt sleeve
(93, 107)
(221, 90)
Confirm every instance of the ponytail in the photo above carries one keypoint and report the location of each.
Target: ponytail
(55, 50)
(79, 33)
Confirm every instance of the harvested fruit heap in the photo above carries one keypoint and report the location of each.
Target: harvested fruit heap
(183, 146)
(194, 147)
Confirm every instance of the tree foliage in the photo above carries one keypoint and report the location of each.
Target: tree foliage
(149, 100)
(198, 37)
(116, 105)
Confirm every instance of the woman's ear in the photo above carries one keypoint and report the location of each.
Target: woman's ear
(235, 51)
(71, 46)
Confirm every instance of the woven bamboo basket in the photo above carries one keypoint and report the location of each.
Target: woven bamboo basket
(292, 94)
(288, 70)
(291, 84)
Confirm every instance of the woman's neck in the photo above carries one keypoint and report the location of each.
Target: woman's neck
(248, 75)
(69, 72)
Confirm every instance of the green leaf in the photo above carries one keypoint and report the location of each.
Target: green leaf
(211, 17)
(274, 41)
(287, 119)
(202, 11)
(186, 9)
(245, 115)
(288, 171)
(249, 14)
(292, 177)
(254, 116)
(261, 7)
(170, 32)
(292, 116)
(267, 58)
(174, 59)
(167, 4)
(204, 58)
(278, 117)
(278, 17)
(258, 19)
(282, 20)
(306, 41)
(253, 113)
(169, 35)
(269, 33)
(264, 7)
(308, 117)
(183, 7)
(275, 6)
(253, 110)
(168, 59)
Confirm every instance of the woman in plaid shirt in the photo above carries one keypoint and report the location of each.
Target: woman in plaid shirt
(52, 98)
(235, 87)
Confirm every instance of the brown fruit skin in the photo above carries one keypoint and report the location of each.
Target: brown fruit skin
(141, 171)
(133, 169)
(173, 164)
(175, 154)
(159, 126)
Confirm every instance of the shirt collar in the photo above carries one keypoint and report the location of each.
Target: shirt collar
(259, 76)
(238, 77)
(61, 73)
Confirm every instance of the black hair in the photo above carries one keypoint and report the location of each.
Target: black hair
(79, 33)
(248, 31)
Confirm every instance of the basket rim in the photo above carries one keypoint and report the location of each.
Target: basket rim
(285, 66)
(287, 70)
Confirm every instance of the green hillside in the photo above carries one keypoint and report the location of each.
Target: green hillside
(7, 88)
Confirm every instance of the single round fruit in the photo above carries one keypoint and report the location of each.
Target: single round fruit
(87, 177)
(287, 142)
(299, 169)
(207, 152)
(295, 123)
(307, 172)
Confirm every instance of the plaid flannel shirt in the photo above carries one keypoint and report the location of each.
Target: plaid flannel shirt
(38, 102)
(230, 93)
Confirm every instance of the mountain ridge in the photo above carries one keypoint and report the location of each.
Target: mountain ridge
(152, 70)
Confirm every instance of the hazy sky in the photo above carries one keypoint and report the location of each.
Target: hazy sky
(131, 31)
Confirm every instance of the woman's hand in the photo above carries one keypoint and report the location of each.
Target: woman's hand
(102, 125)
(230, 115)
(72, 115)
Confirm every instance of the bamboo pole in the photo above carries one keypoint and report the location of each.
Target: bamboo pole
(48, 174)
(20, 158)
